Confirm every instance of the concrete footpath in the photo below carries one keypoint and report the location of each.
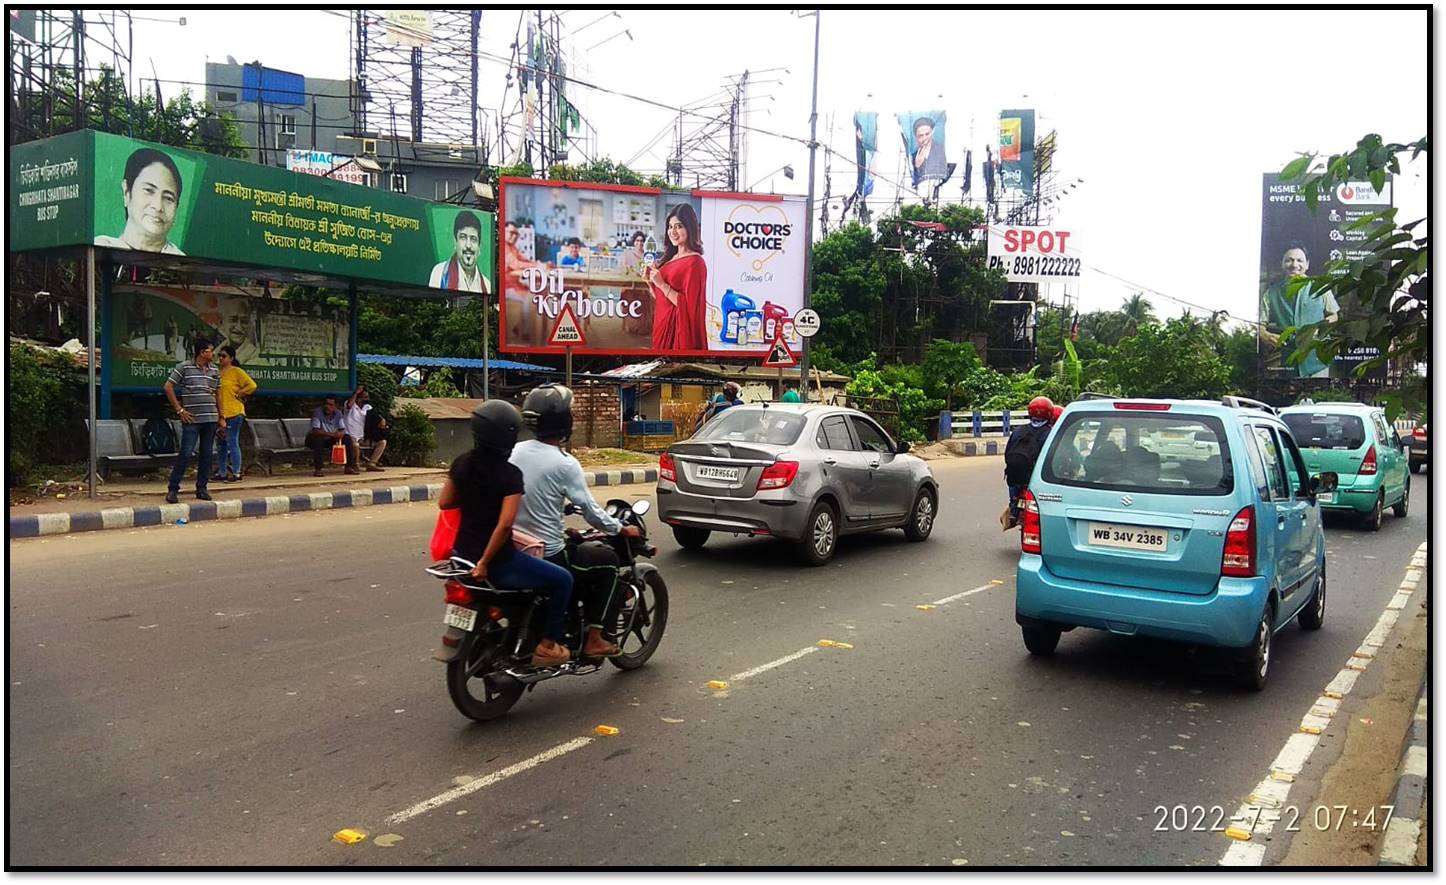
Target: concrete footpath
(1406, 830)
(133, 505)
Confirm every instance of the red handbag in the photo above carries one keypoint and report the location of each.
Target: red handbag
(444, 536)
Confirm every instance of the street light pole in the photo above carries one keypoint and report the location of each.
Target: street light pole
(808, 223)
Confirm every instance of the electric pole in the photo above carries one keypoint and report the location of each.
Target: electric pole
(808, 219)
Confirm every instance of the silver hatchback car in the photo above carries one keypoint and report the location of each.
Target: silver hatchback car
(802, 472)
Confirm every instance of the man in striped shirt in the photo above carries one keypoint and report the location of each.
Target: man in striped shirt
(194, 391)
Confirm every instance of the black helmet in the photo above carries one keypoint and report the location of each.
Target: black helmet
(547, 412)
(495, 424)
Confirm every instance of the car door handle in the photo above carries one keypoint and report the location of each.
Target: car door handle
(830, 461)
(1280, 522)
(873, 464)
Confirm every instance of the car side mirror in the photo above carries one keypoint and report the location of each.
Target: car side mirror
(1324, 482)
(902, 448)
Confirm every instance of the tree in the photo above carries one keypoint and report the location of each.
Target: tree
(1137, 311)
(947, 365)
(1176, 360)
(604, 171)
(1384, 296)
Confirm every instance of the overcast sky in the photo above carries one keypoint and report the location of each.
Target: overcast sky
(1168, 117)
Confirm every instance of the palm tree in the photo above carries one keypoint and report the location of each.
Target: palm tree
(1137, 311)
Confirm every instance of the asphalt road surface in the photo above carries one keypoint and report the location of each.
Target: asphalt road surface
(236, 692)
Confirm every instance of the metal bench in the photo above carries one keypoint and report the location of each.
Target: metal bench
(272, 442)
(138, 436)
(115, 449)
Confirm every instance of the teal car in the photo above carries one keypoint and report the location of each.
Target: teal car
(1358, 444)
(1191, 521)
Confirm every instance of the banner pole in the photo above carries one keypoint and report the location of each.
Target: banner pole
(808, 222)
(90, 363)
(569, 368)
(486, 359)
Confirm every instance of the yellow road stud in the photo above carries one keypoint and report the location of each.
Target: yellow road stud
(826, 643)
(605, 730)
(1309, 729)
(925, 607)
(1334, 695)
(996, 582)
(349, 837)
(1283, 777)
(717, 684)
(842, 645)
(1239, 833)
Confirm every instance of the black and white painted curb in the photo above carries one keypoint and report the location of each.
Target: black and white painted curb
(38, 525)
(1398, 848)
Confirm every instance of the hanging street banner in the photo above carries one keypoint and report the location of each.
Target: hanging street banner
(648, 271)
(1016, 149)
(923, 134)
(126, 195)
(286, 346)
(1294, 241)
(1035, 254)
(866, 147)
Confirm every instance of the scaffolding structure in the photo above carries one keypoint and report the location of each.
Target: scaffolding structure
(55, 55)
(414, 75)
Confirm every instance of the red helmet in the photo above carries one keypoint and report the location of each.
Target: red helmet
(1054, 417)
(1040, 408)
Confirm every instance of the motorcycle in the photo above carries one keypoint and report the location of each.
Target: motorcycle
(491, 632)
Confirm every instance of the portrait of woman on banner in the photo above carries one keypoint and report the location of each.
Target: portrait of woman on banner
(679, 284)
(150, 193)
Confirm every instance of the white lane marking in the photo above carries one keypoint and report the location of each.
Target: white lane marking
(763, 668)
(958, 596)
(483, 782)
(1298, 747)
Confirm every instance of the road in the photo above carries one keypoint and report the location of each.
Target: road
(237, 692)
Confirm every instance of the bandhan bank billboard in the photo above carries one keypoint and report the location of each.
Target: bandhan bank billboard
(649, 272)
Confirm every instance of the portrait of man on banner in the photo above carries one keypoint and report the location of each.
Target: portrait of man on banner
(460, 271)
(923, 135)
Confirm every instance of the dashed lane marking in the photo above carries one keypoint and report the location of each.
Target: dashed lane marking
(958, 596)
(480, 783)
(764, 668)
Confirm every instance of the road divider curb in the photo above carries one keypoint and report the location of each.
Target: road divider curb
(47, 524)
(1398, 847)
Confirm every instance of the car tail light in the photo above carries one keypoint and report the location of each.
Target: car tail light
(1419, 433)
(458, 593)
(666, 470)
(1029, 523)
(1144, 407)
(778, 475)
(1239, 558)
(1368, 466)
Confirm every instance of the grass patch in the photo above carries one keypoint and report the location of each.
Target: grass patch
(609, 457)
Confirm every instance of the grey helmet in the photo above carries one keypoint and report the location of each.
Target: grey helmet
(547, 412)
(495, 425)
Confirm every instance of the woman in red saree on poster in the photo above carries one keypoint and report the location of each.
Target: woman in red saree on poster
(678, 285)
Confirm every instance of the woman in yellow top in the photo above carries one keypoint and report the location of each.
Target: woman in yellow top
(236, 386)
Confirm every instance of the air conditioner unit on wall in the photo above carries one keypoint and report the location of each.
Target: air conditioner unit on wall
(399, 183)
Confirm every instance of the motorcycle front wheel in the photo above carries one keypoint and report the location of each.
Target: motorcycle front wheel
(641, 623)
(478, 694)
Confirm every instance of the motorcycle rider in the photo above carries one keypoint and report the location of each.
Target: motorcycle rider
(551, 477)
(731, 396)
(488, 488)
(1023, 449)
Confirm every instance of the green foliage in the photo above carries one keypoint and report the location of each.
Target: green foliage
(1384, 296)
(439, 384)
(412, 438)
(947, 364)
(1176, 360)
(381, 385)
(1239, 351)
(44, 410)
(604, 171)
(901, 385)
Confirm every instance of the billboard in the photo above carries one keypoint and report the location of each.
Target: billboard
(1016, 149)
(337, 167)
(1035, 254)
(1296, 242)
(649, 272)
(923, 134)
(866, 146)
(115, 192)
(286, 346)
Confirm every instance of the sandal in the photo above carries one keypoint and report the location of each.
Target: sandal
(543, 658)
(610, 650)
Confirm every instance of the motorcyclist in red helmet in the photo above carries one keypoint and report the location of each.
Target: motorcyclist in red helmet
(1022, 450)
(1054, 415)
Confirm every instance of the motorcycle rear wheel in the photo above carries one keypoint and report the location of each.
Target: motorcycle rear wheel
(639, 643)
(466, 676)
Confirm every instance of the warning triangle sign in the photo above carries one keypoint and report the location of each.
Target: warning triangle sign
(780, 356)
(568, 331)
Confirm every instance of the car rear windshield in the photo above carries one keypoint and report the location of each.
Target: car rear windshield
(754, 426)
(1323, 430)
(1157, 453)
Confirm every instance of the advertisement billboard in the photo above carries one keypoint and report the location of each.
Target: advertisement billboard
(1035, 254)
(286, 346)
(649, 272)
(337, 167)
(1296, 242)
(115, 192)
(923, 134)
(1016, 149)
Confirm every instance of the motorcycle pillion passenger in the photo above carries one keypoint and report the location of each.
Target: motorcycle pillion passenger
(488, 488)
(553, 477)
(1022, 450)
(731, 396)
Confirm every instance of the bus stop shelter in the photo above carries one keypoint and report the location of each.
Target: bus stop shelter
(156, 227)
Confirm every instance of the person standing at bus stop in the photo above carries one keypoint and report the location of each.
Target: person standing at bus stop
(193, 389)
(236, 386)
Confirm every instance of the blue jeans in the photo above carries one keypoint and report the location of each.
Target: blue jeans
(552, 582)
(190, 435)
(228, 453)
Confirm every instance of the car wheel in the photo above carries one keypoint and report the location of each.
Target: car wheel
(921, 518)
(1041, 641)
(690, 538)
(1256, 666)
(1313, 615)
(1416, 466)
(820, 535)
(1400, 507)
(1373, 519)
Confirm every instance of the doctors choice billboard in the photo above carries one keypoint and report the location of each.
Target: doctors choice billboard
(649, 271)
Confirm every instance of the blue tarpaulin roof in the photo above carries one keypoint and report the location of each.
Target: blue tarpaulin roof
(387, 359)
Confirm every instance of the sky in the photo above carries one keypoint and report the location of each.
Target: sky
(1167, 119)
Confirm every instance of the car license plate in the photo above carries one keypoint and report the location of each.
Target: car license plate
(1326, 497)
(1129, 537)
(459, 617)
(707, 471)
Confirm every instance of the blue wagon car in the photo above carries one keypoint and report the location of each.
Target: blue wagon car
(1185, 520)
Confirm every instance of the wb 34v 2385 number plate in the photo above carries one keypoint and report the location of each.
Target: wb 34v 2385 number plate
(1129, 537)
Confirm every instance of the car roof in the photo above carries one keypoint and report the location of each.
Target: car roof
(1331, 407)
(1191, 407)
